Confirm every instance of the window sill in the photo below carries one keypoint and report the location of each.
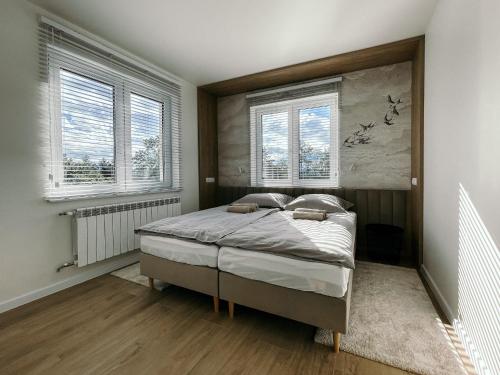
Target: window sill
(303, 186)
(78, 197)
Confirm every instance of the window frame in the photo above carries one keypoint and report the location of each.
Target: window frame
(259, 112)
(123, 86)
(166, 177)
(293, 107)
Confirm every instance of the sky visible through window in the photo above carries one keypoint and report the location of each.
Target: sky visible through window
(275, 145)
(87, 108)
(88, 139)
(314, 139)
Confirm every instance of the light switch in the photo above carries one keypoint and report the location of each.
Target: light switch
(210, 180)
(414, 181)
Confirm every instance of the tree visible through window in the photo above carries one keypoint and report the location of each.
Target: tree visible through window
(114, 125)
(146, 124)
(315, 139)
(88, 137)
(275, 146)
(296, 142)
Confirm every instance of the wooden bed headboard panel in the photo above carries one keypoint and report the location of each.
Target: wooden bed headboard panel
(371, 207)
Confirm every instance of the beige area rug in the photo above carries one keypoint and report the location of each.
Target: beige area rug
(133, 273)
(393, 321)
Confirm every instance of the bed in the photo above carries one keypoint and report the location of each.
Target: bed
(186, 263)
(268, 260)
(298, 269)
(182, 250)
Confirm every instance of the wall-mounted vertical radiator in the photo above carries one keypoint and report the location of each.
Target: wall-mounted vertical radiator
(106, 231)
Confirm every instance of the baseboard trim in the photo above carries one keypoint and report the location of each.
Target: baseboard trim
(437, 294)
(82, 276)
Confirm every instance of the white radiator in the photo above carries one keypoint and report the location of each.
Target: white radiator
(106, 231)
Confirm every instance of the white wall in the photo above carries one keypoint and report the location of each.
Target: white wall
(462, 147)
(34, 240)
(462, 129)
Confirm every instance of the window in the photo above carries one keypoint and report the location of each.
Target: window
(113, 128)
(315, 136)
(146, 117)
(274, 129)
(87, 121)
(294, 142)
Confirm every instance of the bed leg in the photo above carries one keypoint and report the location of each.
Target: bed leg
(231, 309)
(336, 342)
(216, 304)
(151, 282)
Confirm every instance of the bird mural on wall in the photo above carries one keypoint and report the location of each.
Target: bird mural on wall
(360, 136)
(392, 111)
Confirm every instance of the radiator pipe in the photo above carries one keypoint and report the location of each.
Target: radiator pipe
(67, 264)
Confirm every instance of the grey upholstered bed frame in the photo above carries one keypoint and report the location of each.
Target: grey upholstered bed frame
(307, 307)
(198, 278)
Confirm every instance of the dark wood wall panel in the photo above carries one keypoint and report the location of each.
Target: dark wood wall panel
(386, 207)
(361, 203)
(417, 148)
(399, 202)
(207, 148)
(390, 53)
(371, 206)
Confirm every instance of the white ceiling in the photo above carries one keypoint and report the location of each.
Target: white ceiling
(205, 41)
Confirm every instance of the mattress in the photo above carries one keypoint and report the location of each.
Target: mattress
(322, 278)
(327, 241)
(181, 250)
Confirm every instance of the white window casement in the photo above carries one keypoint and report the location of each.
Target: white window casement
(295, 142)
(110, 132)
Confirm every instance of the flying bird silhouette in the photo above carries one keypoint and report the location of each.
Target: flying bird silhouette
(390, 100)
(392, 111)
(366, 128)
(388, 121)
(360, 136)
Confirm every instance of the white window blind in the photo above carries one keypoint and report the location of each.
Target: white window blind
(146, 123)
(87, 130)
(315, 138)
(112, 127)
(275, 145)
(295, 142)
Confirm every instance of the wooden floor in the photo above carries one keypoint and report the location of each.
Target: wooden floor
(112, 326)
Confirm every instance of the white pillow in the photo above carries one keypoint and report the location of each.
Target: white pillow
(329, 203)
(273, 200)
